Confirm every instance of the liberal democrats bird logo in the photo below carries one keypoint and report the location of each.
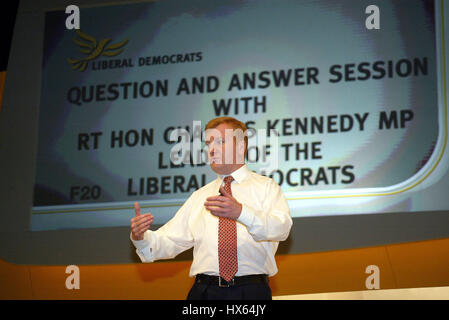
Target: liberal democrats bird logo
(94, 49)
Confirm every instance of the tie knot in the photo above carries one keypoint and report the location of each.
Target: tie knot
(228, 179)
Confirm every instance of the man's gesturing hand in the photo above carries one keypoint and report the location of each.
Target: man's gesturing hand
(224, 206)
(140, 223)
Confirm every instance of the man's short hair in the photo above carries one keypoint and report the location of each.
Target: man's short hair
(235, 124)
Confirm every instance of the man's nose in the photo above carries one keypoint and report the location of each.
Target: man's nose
(211, 148)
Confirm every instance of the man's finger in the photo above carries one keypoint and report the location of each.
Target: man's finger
(214, 210)
(143, 227)
(142, 218)
(224, 192)
(219, 212)
(137, 208)
(215, 203)
(143, 223)
(216, 198)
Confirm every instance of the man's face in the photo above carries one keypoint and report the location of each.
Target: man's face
(225, 150)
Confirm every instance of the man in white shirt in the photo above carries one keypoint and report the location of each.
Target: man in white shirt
(234, 223)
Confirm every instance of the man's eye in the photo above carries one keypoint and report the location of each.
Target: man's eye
(217, 142)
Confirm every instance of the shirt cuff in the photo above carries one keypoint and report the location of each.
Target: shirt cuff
(139, 244)
(143, 249)
(246, 216)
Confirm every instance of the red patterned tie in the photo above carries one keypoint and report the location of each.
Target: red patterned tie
(227, 242)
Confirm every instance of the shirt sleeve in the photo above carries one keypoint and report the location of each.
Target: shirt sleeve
(273, 222)
(169, 240)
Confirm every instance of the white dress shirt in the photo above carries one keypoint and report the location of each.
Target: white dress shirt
(264, 221)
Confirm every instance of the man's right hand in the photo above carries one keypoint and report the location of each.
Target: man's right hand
(140, 223)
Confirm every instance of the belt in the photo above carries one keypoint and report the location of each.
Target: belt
(219, 281)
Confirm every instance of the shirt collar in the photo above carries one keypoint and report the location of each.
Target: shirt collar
(239, 175)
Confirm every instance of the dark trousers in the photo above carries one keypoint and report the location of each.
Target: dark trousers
(250, 291)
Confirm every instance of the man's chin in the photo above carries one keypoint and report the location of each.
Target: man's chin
(216, 167)
(219, 168)
(223, 169)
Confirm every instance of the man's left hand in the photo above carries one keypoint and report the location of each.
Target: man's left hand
(224, 206)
